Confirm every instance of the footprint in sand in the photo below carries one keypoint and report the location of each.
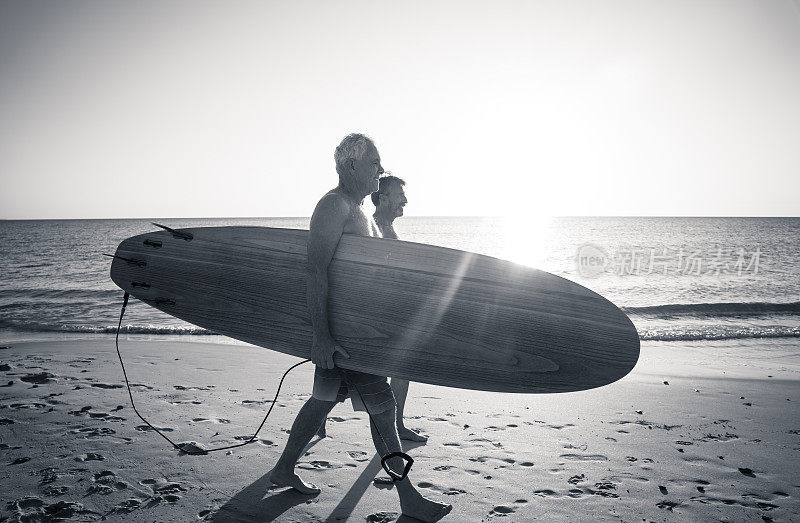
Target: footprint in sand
(89, 432)
(574, 480)
(147, 428)
(56, 491)
(90, 456)
(382, 517)
(20, 461)
(105, 482)
(255, 402)
(31, 508)
(220, 420)
(383, 482)
(311, 465)
(719, 437)
(39, 378)
(669, 505)
(584, 457)
(107, 385)
(358, 455)
(576, 447)
(81, 412)
(129, 505)
(163, 490)
(451, 491)
(496, 444)
(501, 510)
(27, 405)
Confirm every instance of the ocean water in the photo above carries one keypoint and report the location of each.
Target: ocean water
(677, 278)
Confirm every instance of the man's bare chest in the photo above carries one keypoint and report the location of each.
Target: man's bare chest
(361, 223)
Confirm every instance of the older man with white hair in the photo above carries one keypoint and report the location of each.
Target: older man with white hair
(341, 211)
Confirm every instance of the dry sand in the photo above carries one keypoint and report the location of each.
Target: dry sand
(704, 431)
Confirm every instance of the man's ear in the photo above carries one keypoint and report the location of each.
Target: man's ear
(352, 165)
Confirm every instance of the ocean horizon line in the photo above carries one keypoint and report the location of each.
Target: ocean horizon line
(449, 216)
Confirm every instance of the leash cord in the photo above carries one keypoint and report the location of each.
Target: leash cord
(187, 450)
(202, 452)
(384, 460)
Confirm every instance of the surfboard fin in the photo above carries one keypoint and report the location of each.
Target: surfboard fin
(176, 233)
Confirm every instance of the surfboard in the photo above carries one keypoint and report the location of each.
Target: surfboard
(419, 312)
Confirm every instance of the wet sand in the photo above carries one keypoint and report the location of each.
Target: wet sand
(698, 431)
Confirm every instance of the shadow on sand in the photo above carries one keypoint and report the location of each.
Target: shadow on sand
(251, 505)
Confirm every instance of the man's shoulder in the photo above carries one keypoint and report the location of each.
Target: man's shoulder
(333, 202)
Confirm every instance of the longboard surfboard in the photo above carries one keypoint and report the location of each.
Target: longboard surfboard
(402, 309)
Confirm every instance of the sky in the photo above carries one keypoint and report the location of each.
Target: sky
(223, 109)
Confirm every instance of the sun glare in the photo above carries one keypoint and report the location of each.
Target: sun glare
(525, 239)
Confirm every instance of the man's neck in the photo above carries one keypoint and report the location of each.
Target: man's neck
(383, 218)
(352, 193)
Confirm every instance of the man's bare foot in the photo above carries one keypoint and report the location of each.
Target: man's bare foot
(425, 509)
(292, 480)
(322, 432)
(409, 435)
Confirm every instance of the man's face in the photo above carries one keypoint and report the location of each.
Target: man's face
(395, 198)
(368, 169)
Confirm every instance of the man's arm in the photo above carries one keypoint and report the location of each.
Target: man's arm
(327, 226)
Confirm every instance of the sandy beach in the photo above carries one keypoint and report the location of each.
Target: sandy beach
(706, 431)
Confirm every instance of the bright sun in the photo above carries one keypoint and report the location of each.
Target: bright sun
(525, 238)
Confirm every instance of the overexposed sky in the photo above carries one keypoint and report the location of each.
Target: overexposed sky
(222, 109)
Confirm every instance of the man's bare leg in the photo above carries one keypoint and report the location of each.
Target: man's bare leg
(305, 425)
(400, 390)
(412, 503)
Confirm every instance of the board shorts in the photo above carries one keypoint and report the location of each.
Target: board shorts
(336, 384)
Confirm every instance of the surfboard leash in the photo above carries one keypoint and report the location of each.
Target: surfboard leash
(202, 452)
(384, 460)
(193, 452)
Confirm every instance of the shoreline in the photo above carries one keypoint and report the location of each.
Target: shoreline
(716, 442)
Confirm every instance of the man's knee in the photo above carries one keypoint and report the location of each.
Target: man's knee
(385, 417)
(318, 404)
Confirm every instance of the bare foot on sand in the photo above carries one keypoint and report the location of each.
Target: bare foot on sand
(425, 509)
(292, 480)
(409, 435)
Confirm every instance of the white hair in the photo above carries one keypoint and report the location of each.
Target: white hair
(352, 147)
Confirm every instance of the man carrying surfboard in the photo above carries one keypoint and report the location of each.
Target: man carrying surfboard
(389, 200)
(341, 211)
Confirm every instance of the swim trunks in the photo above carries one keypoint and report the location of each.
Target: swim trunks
(336, 384)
